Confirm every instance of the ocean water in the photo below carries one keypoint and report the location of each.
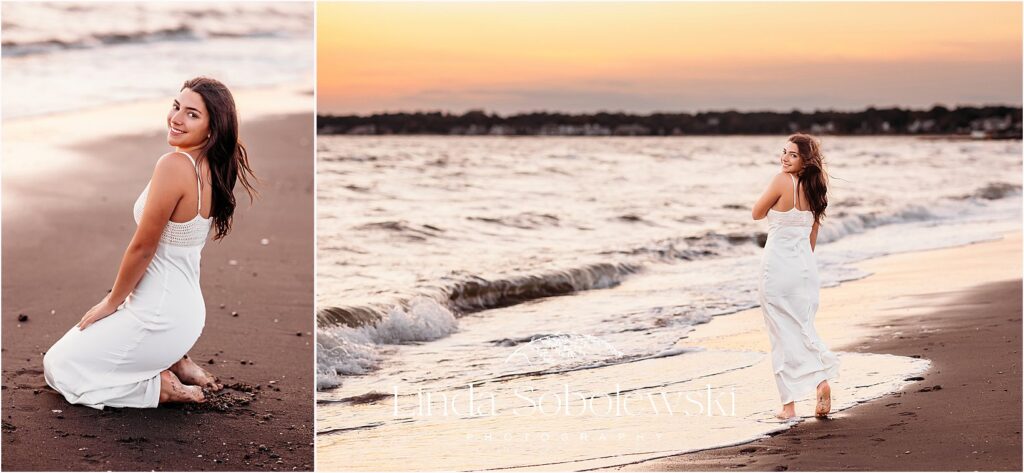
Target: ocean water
(127, 51)
(462, 224)
(504, 262)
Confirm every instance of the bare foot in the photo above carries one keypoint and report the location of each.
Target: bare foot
(788, 412)
(172, 390)
(190, 373)
(824, 400)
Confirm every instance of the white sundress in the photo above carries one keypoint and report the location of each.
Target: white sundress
(788, 292)
(117, 360)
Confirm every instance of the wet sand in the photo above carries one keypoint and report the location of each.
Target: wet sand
(64, 231)
(384, 435)
(958, 307)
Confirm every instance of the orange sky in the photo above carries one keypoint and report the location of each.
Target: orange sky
(642, 57)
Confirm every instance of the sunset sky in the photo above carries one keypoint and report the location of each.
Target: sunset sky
(683, 57)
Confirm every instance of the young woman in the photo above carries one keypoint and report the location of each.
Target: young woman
(130, 349)
(794, 203)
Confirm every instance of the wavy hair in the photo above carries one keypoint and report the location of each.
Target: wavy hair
(812, 178)
(224, 152)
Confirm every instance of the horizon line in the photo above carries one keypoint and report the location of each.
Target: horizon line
(677, 112)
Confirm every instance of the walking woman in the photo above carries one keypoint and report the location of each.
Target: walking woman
(130, 349)
(794, 204)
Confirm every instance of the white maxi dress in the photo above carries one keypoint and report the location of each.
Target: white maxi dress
(117, 361)
(788, 292)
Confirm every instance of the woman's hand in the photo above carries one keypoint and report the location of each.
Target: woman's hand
(104, 308)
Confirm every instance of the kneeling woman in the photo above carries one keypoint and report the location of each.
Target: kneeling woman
(130, 349)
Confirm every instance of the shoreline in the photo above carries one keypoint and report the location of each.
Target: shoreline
(929, 423)
(60, 136)
(729, 352)
(64, 233)
(243, 94)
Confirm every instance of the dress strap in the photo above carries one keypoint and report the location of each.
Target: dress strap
(793, 178)
(199, 182)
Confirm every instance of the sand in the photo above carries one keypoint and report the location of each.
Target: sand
(960, 308)
(65, 228)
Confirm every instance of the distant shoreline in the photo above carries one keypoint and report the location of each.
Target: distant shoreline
(988, 122)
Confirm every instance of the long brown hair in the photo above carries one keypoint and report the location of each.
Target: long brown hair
(224, 152)
(813, 179)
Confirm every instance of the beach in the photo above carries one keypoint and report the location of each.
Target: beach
(964, 327)
(69, 183)
(958, 307)
(460, 311)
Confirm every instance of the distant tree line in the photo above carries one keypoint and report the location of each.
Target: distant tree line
(980, 122)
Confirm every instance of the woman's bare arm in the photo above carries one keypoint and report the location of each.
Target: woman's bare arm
(814, 235)
(172, 172)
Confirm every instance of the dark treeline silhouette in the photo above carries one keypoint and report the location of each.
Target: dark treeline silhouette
(978, 122)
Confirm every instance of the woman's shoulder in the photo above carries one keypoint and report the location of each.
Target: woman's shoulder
(174, 165)
(781, 179)
(175, 156)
